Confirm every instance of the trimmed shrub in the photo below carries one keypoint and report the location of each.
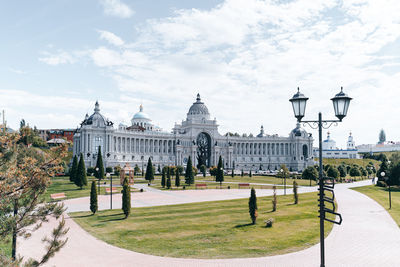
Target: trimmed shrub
(295, 195)
(253, 206)
(93, 198)
(381, 184)
(126, 198)
(274, 199)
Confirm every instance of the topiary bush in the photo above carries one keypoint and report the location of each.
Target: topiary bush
(381, 184)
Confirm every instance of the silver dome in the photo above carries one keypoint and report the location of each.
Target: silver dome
(198, 108)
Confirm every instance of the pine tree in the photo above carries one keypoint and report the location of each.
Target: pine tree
(169, 182)
(233, 173)
(242, 173)
(250, 175)
(189, 177)
(295, 195)
(93, 198)
(149, 171)
(74, 168)
(177, 178)
(99, 165)
(80, 179)
(163, 178)
(220, 172)
(253, 206)
(126, 198)
(274, 199)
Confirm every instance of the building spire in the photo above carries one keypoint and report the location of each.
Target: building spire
(198, 99)
(141, 108)
(97, 107)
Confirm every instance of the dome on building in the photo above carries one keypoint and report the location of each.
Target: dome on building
(329, 143)
(141, 114)
(198, 110)
(96, 119)
(298, 131)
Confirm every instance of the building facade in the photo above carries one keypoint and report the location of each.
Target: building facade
(197, 136)
(329, 149)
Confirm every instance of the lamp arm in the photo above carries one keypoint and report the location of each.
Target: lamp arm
(325, 123)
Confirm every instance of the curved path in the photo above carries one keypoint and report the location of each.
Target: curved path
(368, 236)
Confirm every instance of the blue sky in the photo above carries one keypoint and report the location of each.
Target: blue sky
(245, 57)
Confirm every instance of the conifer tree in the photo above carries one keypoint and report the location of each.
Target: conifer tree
(253, 206)
(93, 198)
(163, 178)
(242, 173)
(274, 199)
(80, 179)
(169, 182)
(126, 198)
(250, 175)
(220, 172)
(149, 171)
(74, 168)
(99, 165)
(189, 177)
(177, 179)
(295, 195)
(233, 173)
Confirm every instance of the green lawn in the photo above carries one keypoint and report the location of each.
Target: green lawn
(211, 185)
(381, 195)
(62, 184)
(360, 162)
(219, 229)
(5, 246)
(259, 179)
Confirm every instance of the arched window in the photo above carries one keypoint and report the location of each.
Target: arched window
(305, 151)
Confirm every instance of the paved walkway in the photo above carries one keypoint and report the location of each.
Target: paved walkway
(368, 236)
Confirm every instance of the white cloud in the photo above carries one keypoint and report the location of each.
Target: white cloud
(116, 8)
(246, 57)
(61, 57)
(111, 38)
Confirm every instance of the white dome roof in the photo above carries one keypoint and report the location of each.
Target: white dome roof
(198, 110)
(141, 114)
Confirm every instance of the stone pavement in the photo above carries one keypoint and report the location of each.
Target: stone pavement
(368, 236)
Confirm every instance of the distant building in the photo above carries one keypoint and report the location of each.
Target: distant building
(49, 134)
(329, 149)
(8, 130)
(197, 136)
(381, 146)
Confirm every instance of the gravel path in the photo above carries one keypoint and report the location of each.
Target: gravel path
(368, 235)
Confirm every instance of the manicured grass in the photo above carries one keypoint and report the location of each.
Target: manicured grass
(5, 246)
(260, 179)
(360, 162)
(381, 195)
(63, 185)
(219, 229)
(212, 185)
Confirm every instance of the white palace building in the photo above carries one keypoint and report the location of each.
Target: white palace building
(197, 136)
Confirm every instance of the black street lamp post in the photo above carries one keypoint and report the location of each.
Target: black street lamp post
(341, 104)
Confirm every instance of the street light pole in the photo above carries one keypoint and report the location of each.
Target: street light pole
(97, 173)
(341, 104)
(388, 183)
(321, 195)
